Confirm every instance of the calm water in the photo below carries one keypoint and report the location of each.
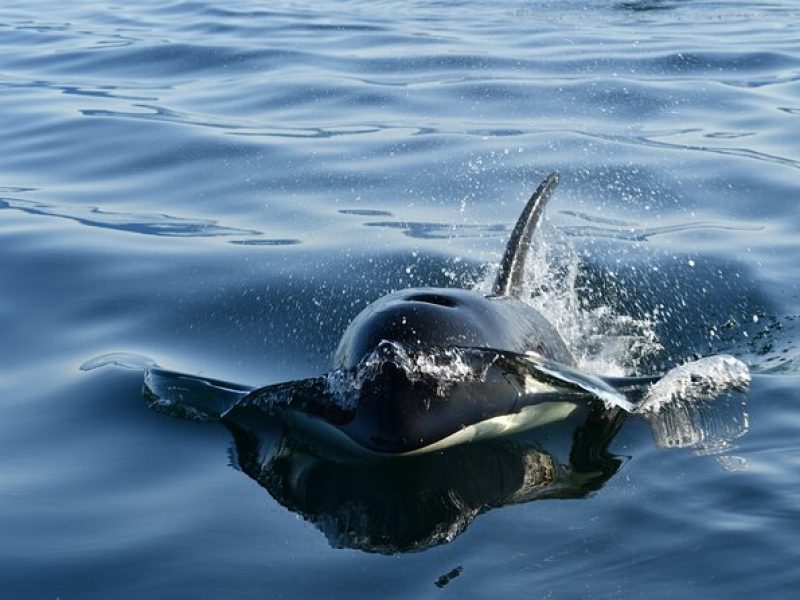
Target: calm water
(222, 186)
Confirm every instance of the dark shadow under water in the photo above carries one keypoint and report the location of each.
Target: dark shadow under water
(414, 503)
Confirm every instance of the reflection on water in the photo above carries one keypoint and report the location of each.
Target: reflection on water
(145, 224)
(410, 504)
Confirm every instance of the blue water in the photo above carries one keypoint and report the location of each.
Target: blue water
(222, 187)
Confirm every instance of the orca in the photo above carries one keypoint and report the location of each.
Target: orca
(423, 369)
(426, 368)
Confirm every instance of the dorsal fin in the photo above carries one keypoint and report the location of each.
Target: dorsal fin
(512, 267)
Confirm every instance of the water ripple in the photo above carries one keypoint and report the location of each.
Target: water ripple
(146, 224)
(643, 234)
(422, 230)
(100, 91)
(443, 231)
(645, 139)
(654, 139)
(300, 159)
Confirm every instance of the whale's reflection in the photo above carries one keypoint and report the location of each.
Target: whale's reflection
(414, 503)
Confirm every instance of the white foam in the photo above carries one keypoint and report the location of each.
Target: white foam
(702, 379)
(692, 407)
(602, 340)
(442, 366)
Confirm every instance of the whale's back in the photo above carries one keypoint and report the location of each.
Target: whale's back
(442, 318)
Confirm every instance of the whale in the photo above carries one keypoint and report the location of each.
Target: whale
(424, 369)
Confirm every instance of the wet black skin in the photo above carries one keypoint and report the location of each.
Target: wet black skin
(398, 415)
(443, 318)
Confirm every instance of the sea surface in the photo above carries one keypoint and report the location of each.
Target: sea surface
(221, 187)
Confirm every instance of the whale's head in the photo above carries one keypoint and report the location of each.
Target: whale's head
(419, 366)
(431, 318)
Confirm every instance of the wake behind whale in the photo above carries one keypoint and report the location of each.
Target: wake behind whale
(427, 368)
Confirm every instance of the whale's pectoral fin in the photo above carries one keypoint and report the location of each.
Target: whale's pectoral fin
(189, 396)
(511, 275)
(310, 396)
(177, 394)
(568, 378)
(699, 404)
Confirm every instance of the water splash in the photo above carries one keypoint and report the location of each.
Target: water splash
(702, 379)
(696, 405)
(706, 427)
(602, 340)
(441, 367)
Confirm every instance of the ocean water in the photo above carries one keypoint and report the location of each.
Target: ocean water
(221, 187)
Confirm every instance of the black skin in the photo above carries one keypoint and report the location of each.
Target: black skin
(398, 415)
(443, 318)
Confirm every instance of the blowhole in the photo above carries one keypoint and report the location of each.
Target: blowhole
(432, 299)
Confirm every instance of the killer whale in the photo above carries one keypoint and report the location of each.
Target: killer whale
(424, 369)
(427, 368)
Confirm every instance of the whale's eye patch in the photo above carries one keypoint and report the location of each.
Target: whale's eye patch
(432, 299)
